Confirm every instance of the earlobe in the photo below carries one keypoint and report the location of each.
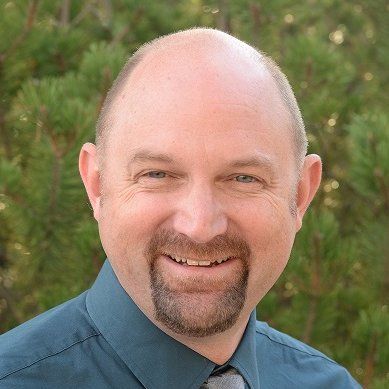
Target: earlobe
(308, 185)
(88, 166)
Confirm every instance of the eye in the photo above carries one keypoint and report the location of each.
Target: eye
(156, 174)
(245, 179)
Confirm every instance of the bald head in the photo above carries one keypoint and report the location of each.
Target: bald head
(204, 52)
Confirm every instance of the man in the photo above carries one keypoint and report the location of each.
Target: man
(199, 183)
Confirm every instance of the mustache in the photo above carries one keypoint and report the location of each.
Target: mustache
(167, 241)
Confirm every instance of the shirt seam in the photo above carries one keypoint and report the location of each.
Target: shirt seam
(297, 349)
(48, 356)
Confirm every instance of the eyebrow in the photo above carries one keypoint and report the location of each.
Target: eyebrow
(259, 161)
(147, 156)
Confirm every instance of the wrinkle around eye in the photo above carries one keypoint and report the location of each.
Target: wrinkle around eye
(127, 194)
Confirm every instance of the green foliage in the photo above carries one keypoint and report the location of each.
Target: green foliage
(369, 144)
(58, 60)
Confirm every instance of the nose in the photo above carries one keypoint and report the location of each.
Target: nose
(199, 215)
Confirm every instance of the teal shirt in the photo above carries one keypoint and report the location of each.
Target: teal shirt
(101, 339)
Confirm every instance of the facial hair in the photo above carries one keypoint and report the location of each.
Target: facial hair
(187, 311)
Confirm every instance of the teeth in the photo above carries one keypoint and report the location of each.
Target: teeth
(177, 259)
(192, 262)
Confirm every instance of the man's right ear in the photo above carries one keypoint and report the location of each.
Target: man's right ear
(88, 166)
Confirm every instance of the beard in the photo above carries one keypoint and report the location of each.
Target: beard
(199, 306)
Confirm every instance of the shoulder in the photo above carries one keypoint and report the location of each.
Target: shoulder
(45, 336)
(296, 361)
(279, 340)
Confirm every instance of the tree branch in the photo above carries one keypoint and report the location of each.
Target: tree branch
(369, 362)
(31, 14)
(315, 288)
(11, 303)
(65, 12)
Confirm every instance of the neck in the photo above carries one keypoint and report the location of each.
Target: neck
(217, 348)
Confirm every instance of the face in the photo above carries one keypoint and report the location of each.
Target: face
(198, 192)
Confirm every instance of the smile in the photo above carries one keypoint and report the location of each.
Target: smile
(195, 262)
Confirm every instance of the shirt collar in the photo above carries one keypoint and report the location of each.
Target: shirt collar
(156, 359)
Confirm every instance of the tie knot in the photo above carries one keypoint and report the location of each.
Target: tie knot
(226, 379)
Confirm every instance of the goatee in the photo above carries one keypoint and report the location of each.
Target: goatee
(193, 310)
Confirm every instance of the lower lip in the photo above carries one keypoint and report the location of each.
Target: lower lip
(185, 269)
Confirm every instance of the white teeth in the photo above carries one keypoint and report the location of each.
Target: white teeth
(178, 259)
(192, 262)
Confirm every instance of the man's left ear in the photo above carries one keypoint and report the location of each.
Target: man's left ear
(307, 186)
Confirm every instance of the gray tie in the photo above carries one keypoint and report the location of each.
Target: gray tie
(228, 379)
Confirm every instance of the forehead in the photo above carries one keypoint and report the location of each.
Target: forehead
(185, 95)
(191, 74)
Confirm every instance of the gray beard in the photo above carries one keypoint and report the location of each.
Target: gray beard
(186, 313)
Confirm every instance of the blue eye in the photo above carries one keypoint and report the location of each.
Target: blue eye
(245, 179)
(156, 174)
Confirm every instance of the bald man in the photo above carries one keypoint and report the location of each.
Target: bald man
(199, 181)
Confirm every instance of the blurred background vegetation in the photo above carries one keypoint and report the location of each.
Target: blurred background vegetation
(57, 61)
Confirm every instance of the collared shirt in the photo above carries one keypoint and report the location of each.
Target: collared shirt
(101, 339)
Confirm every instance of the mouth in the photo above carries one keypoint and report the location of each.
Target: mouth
(184, 261)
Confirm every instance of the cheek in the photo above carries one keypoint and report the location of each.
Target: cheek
(271, 236)
(128, 225)
(125, 230)
(269, 224)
